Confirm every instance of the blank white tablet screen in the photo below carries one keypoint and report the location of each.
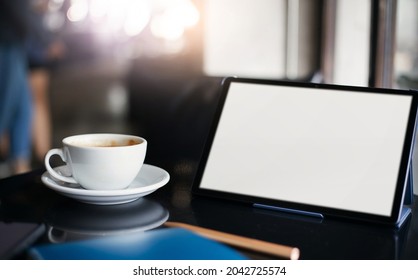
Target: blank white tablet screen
(322, 147)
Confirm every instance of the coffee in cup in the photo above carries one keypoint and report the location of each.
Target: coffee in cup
(103, 161)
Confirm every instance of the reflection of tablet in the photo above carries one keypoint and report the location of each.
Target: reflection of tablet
(16, 237)
(333, 150)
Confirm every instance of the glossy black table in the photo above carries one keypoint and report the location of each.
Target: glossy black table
(24, 198)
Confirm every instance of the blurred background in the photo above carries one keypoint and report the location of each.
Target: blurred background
(153, 67)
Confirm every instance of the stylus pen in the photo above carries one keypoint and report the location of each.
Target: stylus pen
(281, 251)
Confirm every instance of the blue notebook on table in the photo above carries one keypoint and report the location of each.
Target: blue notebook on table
(159, 244)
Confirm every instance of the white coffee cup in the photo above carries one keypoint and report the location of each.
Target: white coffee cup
(103, 161)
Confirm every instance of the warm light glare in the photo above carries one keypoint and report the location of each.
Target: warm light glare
(166, 27)
(172, 23)
(186, 13)
(137, 18)
(168, 19)
(130, 16)
(98, 8)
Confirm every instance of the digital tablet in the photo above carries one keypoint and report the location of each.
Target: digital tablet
(326, 150)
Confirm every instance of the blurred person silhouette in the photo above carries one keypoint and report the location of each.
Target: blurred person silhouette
(15, 97)
(43, 50)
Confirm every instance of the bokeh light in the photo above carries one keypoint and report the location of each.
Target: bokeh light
(168, 19)
(78, 10)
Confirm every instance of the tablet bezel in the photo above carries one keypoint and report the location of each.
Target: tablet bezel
(404, 168)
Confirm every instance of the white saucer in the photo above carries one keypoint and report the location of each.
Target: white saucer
(148, 180)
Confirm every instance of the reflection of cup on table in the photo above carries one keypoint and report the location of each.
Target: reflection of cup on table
(100, 161)
(71, 220)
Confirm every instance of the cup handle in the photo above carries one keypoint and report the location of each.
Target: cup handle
(56, 238)
(52, 172)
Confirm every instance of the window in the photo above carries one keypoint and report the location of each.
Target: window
(266, 39)
(406, 53)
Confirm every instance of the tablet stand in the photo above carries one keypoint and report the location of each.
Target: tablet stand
(289, 210)
(408, 198)
(405, 211)
(409, 191)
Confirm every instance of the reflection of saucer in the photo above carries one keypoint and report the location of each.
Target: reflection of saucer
(148, 180)
(72, 220)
